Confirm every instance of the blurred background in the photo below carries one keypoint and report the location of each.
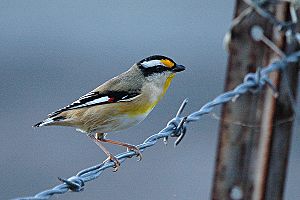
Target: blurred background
(52, 52)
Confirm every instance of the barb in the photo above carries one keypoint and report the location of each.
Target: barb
(175, 128)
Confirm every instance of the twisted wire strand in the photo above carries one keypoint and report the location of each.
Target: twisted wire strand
(176, 127)
(259, 8)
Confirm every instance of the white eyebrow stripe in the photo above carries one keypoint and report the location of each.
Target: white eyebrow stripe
(151, 63)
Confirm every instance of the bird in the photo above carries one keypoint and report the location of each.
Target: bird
(119, 103)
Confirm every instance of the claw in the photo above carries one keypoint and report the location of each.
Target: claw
(115, 160)
(136, 150)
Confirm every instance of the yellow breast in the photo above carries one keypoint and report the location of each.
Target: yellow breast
(144, 106)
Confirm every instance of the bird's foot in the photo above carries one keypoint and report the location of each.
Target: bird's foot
(136, 150)
(115, 161)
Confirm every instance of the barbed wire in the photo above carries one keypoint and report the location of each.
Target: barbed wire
(176, 127)
(260, 7)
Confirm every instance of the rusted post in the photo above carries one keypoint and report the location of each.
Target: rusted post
(255, 130)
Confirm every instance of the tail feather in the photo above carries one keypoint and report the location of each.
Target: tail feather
(48, 121)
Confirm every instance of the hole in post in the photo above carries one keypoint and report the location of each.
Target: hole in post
(257, 33)
(236, 193)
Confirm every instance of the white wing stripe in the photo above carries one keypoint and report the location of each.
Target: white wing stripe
(130, 99)
(95, 101)
(86, 95)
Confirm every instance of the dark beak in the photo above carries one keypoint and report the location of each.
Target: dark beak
(178, 68)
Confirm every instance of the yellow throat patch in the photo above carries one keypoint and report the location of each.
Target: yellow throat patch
(167, 83)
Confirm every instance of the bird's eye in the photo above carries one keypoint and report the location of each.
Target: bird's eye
(154, 69)
(160, 67)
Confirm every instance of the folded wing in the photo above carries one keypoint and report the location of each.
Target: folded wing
(95, 98)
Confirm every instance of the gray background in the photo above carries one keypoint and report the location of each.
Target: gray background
(52, 52)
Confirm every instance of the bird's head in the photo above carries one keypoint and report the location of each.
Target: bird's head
(157, 66)
(159, 71)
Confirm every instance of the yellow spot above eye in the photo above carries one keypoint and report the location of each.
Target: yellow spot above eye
(167, 63)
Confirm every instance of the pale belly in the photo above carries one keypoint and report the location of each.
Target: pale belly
(118, 123)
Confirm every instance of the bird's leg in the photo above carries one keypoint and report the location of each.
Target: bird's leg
(129, 147)
(110, 156)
